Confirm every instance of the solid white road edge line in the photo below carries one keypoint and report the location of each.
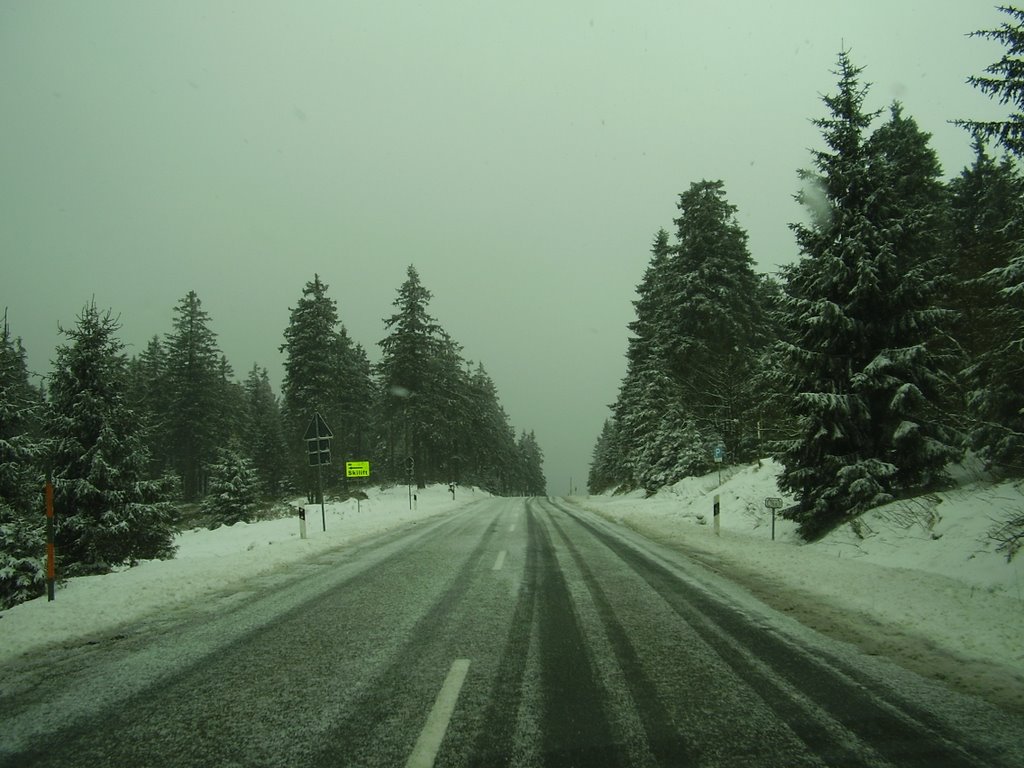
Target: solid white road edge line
(429, 742)
(500, 561)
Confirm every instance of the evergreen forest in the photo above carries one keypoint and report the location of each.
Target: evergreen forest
(138, 447)
(890, 346)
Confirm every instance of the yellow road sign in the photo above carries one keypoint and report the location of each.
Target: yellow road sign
(357, 469)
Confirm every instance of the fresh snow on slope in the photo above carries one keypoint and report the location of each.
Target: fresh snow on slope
(210, 561)
(918, 579)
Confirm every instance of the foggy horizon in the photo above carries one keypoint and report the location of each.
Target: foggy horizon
(522, 158)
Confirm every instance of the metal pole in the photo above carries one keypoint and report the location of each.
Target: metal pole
(51, 567)
(320, 492)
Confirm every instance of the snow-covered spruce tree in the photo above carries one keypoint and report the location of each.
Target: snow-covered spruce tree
(997, 402)
(148, 397)
(357, 398)
(323, 372)
(918, 385)
(532, 459)
(647, 387)
(860, 368)
(715, 325)
(234, 489)
(988, 228)
(488, 444)
(193, 388)
(1003, 81)
(604, 460)
(263, 433)
(445, 422)
(22, 454)
(108, 512)
(410, 381)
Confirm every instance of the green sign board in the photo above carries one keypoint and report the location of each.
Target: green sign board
(357, 469)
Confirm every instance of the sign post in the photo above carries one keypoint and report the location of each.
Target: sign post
(409, 465)
(51, 565)
(719, 455)
(773, 503)
(357, 469)
(318, 445)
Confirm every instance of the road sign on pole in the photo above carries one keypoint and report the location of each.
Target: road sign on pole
(409, 466)
(773, 503)
(318, 445)
(318, 441)
(357, 469)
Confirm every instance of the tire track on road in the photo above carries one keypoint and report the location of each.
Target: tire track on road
(387, 696)
(576, 728)
(890, 732)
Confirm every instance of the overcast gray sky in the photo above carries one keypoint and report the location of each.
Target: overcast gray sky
(521, 154)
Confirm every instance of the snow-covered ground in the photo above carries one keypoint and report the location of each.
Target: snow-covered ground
(918, 580)
(210, 561)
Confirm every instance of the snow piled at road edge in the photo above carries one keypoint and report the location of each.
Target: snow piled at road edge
(208, 562)
(918, 578)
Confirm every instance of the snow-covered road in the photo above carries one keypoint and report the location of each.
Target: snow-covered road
(508, 632)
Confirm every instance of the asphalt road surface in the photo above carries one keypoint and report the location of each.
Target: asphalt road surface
(517, 632)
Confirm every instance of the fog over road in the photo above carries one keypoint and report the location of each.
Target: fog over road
(522, 632)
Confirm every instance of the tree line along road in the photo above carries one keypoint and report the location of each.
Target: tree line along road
(517, 632)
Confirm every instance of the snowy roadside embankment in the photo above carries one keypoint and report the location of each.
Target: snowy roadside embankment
(208, 562)
(917, 579)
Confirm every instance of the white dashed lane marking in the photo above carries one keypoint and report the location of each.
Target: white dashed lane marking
(429, 742)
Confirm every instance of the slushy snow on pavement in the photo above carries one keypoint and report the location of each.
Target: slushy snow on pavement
(918, 580)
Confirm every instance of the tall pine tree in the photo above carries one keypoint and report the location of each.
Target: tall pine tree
(108, 512)
(413, 371)
(263, 434)
(715, 319)
(995, 399)
(195, 395)
(22, 455)
(860, 368)
(316, 373)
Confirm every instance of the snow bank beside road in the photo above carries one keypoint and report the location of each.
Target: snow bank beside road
(918, 580)
(207, 562)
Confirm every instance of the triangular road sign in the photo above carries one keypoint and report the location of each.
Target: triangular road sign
(318, 429)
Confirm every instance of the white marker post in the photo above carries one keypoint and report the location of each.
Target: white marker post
(718, 508)
(773, 503)
(302, 522)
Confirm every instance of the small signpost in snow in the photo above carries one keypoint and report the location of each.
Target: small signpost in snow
(773, 503)
(409, 468)
(357, 469)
